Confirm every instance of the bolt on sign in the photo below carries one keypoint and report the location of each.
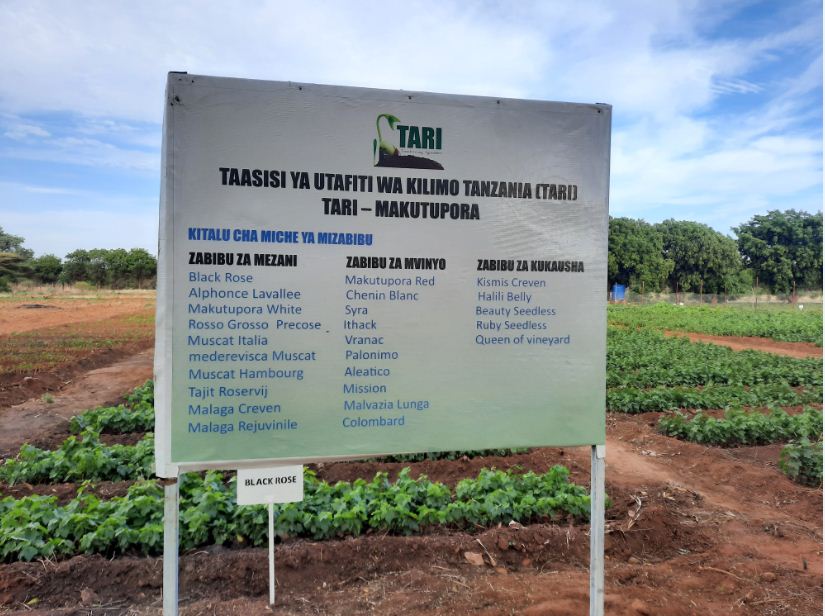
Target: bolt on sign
(348, 272)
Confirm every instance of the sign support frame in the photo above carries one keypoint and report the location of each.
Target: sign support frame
(597, 468)
(271, 509)
(171, 545)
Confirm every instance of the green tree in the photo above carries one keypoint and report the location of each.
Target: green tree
(14, 244)
(12, 268)
(117, 271)
(704, 260)
(116, 267)
(75, 267)
(635, 256)
(98, 267)
(784, 249)
(46, 269)
(142, 266)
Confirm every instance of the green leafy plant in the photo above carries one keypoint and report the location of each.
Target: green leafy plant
(802, 462)
(634, 400)
(36, 527)
(784, 325)
(739, 427)
(81, 458)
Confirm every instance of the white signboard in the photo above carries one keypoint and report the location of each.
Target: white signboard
(347, 272)
(278, 484)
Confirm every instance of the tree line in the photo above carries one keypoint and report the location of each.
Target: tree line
(116, 268)
(779, 251)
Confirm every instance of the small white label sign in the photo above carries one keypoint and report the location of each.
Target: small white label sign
(276, 484)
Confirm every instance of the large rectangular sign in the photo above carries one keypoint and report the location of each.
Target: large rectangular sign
(347, 271)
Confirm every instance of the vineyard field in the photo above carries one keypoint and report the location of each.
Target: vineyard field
(714, 486)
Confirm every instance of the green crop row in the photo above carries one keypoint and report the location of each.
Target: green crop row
(115, 420)
(85, 458)
(451, 455)
(646, 358)
(802, 462)
(786, 325)
(81, 458)
(634, 400)
(143, 395)
(739, 427)
(136, 415)
(36, 527)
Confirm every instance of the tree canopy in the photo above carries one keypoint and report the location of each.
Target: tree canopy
(116, 268)
(14, 244)
(704, 260)
(635, 255)
(784, 249)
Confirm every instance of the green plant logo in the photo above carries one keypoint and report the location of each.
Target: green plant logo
(410, 138)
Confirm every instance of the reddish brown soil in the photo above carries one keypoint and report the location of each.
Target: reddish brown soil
(800, 350)
(45, 342)
(16, 389)
(692, 530)
(45, 424)
(33, 312)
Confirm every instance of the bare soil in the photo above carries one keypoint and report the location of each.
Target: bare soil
(46, 341)
(800, 350)
(691, 530)
(45, 424)
(30, 313)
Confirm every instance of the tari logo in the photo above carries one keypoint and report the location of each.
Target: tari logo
(424, 139)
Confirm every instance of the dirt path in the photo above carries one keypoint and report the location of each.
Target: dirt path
(39, 422)
(800, 350)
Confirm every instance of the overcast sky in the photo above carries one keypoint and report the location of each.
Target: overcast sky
(717, 104)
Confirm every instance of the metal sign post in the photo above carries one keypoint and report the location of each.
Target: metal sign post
(271, 508)
(597, 454)
(171, 495)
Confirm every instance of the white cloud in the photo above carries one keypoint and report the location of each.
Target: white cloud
(103, 64)
(85, 151)
(110, 58)
(22, 131)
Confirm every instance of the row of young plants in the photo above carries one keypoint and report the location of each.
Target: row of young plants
(646, 358)
(81, 458)
(800, 459)
(647, 371)
(84, 457)
(137, 414)
(636, 400)
(36, 527)
(739, 427)
(452, 455)
(789, 325)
